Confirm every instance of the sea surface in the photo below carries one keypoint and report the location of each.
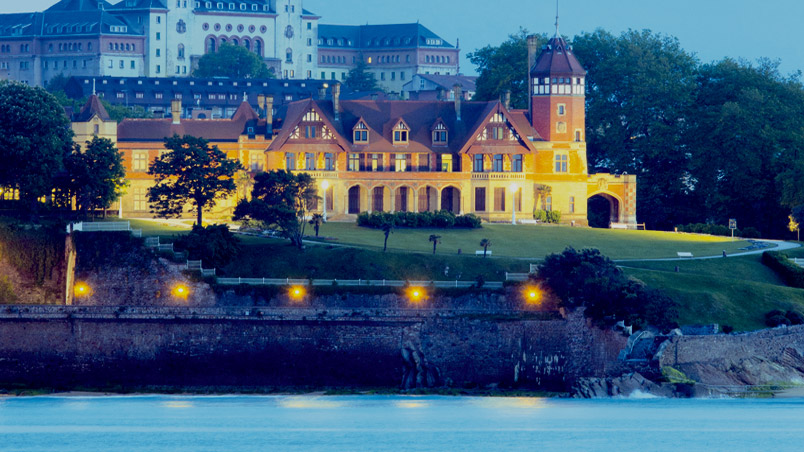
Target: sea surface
(396, 423)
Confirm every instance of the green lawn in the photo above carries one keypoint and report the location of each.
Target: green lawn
(531, 241)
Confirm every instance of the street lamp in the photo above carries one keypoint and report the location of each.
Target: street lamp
(325, 186)
(513, 188)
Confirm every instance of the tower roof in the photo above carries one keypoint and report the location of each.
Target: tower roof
(557, 57)
(93, 107)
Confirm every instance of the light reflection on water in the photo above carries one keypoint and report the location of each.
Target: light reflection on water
(395, 423)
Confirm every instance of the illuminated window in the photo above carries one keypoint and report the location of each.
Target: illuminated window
(140, 203)
(497, 163)
(401, 133)
(256, 161)
(562, 163)
(353, 163)
(309, 161)
(572, 204)
(401, 162)
(139, 161)
(446, 163)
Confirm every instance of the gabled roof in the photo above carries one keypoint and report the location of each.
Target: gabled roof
(557, 57)
(467, 83)
(420, 116)
(219, 130)
(92, 108)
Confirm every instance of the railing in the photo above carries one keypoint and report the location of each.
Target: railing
(516, 276)
(353, 282)
(498, 176)
(104, 226)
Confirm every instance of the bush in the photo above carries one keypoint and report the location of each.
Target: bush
(588, 279)
(97, 250)
(547, 216)
(718, 229)
(442, 219)
(791, 274)
(34, 252)
(795, 317)
(214, 245)
(7, 295)
(775, 318)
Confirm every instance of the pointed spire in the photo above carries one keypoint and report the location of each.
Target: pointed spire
(93, 87)
(557, 35)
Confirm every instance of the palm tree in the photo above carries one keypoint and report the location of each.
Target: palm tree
(542, 191)
(436, 239)
(485, 243)
(387, 227)
(316, 221)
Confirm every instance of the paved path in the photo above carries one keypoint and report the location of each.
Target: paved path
(780, 246)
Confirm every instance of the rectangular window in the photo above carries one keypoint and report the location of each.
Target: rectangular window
(400, 163)
(158, 69)
(309, 131)
(517, 164)
(572, 204)
(477, 163)
(158, 35)
(290, 161)
(548, 203)
(140, 204)
(400, 136)
(499, 199)
(139, 161)
(446, 163)
(329, 162)
(440, 137)
(562, 163)
(562, 109)
(424, 162)
(361, 136)
(255, 161)
(401, 76)
(497, 133)
(480, 199)
(498, 163)
(518, 200)
(375, 162)
(354, 162)
(578, 135)
(309, 161)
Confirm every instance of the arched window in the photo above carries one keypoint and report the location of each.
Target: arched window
(235, 41)
(289, 55)
(247, 44)
(181, 52)
(211, 45)
(258, 47)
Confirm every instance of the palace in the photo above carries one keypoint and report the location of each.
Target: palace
(378, 155)
(166, 38)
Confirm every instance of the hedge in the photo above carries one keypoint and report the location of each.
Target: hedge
(442, 219)
(791, 273)
(718, 229)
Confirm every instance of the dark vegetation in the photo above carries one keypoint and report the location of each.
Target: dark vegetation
(719, 229)
(590, 280)
(776, 318)
(35, 252)
(441, 219)
(96, 251)
(791, 274)
(214, 245)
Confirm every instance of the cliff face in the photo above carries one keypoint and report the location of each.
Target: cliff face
(215, 347)
(758, 358)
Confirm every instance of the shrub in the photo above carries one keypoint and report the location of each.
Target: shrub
(442, 219)
(7, 295)
(726, 328)
(750, 232)
(795, 317)
(214, 245)
(775, 318)
(547, 216)
(791, 274)
(34, 252)
(718, 229)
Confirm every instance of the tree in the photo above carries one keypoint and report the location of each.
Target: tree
(96, 177)
(436, 239)
(793, 226)
(542, 192)
(282, 200)
(190, 172)
(639, 92)
(485, 243)
(35, 136)
(361, 80)
(233, 62)
(796, 218)
(214, 245)
(119, 112)
(503, 68)
(387, 228)
(316, 222)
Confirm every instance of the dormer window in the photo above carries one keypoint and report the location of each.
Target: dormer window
(360, 133)
(401, 133)
(440, 135)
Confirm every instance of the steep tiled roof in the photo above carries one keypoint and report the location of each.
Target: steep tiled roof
(220, 130)
(93, 107)
(557, 58)
(420, 117)
(380, 36)
(468, 83)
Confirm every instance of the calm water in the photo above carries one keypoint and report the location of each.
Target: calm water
(393, 423)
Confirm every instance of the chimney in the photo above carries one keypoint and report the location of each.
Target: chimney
(322, 92)
(336, 101)
(507, 99)
(269, 110)
(456, 89)
(533, 47)
(175, 111)
(442, 94)
(261, 104)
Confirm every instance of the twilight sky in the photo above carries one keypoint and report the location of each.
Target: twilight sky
(712, 29)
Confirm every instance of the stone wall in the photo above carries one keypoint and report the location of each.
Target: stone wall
(757, 358)
(72, 346)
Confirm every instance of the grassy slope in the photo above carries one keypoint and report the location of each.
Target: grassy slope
(526, 241)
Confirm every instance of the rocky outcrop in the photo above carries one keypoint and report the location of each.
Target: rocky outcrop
(418, 372)
(628, 385)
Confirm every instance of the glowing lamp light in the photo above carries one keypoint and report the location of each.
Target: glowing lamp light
(325, 184)
(513, 188)
(532, 295)
(296, 292)
(416, 294)
(82, 290)
(180, 291)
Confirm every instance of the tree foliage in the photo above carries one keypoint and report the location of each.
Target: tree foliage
(193, 172)
(35, 136)
(359, 79)
(233, 62)
(280, 200)
(503, 68)
(95, 176)
(214, 245)
(588, 279)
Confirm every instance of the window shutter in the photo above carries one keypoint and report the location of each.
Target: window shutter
(408, 162)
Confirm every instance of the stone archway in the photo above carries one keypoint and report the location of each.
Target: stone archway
(603, 209)
(451, 199)
(428, 199)
(354, 200)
